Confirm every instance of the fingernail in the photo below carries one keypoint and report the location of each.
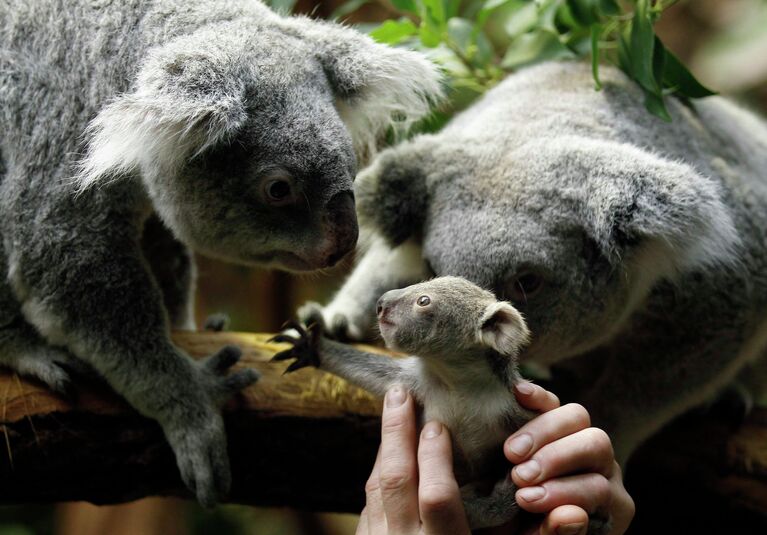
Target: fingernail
(524, 388)
(395, 396)
(531, 494)
(521, 445)
(570, 529)
(529, 471)
(432, 429)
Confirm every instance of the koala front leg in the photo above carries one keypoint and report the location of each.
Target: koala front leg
(172, 265)
(351, 313)
(96, 297)
(371, 372)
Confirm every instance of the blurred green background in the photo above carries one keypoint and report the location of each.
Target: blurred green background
(724, 44)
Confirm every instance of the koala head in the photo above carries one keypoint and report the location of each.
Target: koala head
(574, 232)
(247, 134)
(449, 318)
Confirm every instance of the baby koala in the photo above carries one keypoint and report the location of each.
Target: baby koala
(464, 345)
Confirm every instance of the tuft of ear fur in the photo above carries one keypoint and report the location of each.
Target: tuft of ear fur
(170, 117)
(503, 328)
(392, 194)
(378, 87)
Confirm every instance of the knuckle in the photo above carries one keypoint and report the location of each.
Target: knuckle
(372, 486)
(436, 498)
(600, 442)
(393, 422)
(394, 481)
(601, 491)
(578, 415)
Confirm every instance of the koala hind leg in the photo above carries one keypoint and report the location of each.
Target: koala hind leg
(173, 268)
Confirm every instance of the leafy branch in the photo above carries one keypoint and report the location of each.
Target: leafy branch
(480, 41)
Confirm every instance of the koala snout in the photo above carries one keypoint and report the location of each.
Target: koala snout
(386, 304)
(342, 229)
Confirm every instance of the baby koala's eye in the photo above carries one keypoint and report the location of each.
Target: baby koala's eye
(423, 301)
(278, 189)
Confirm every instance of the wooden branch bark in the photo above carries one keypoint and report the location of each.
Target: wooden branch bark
(308, 440)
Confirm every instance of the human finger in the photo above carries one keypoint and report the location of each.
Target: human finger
(439, 498)
(588, 450)
(544, 429)
(535, 397)
(590, 492)
(565, 520)
(398, 477)
(374, 511)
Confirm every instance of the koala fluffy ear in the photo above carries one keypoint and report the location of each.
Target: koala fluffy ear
(392, 195)
(377, 86)
(662, 215)
(183, 103)
(503, 328)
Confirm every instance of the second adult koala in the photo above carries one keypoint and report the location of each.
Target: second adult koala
(635, 248)
(135, 130)
(464, 346)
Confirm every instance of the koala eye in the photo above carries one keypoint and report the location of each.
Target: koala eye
(423, 301)
(524, 286)
(279, 191)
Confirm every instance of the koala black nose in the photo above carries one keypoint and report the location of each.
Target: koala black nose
(379, 306)
(342, 222)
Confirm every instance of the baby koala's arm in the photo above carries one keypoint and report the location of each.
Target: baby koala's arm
(372, 372)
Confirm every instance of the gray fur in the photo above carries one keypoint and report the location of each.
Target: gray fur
(650, 236)
(451, 376)
(170, 119)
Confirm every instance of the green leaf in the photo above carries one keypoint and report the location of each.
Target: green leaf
(484, 54)
(392, 32)
(521, 20)
(609, 7)
(452, 7)
(435, 12)
(533, 48)
(655, 105)
(430, 37)
(596, 32)
(460, 32)
(641, 47)
(584, 11)
(679, 78)
(406, 6)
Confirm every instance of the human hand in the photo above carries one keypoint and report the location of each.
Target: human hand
(565, 469)
(412, 489)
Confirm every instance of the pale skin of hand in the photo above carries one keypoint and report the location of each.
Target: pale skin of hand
(412, 489)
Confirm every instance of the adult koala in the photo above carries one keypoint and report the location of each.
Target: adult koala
(217, 125)
(636, 249)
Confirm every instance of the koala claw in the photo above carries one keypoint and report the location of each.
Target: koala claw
(228, 385)
(305, 346)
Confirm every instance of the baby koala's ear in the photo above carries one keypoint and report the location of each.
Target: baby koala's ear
(503, 328)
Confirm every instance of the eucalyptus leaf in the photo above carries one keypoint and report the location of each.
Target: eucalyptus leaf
(394, 31)
(679, 78)
(406, 6)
